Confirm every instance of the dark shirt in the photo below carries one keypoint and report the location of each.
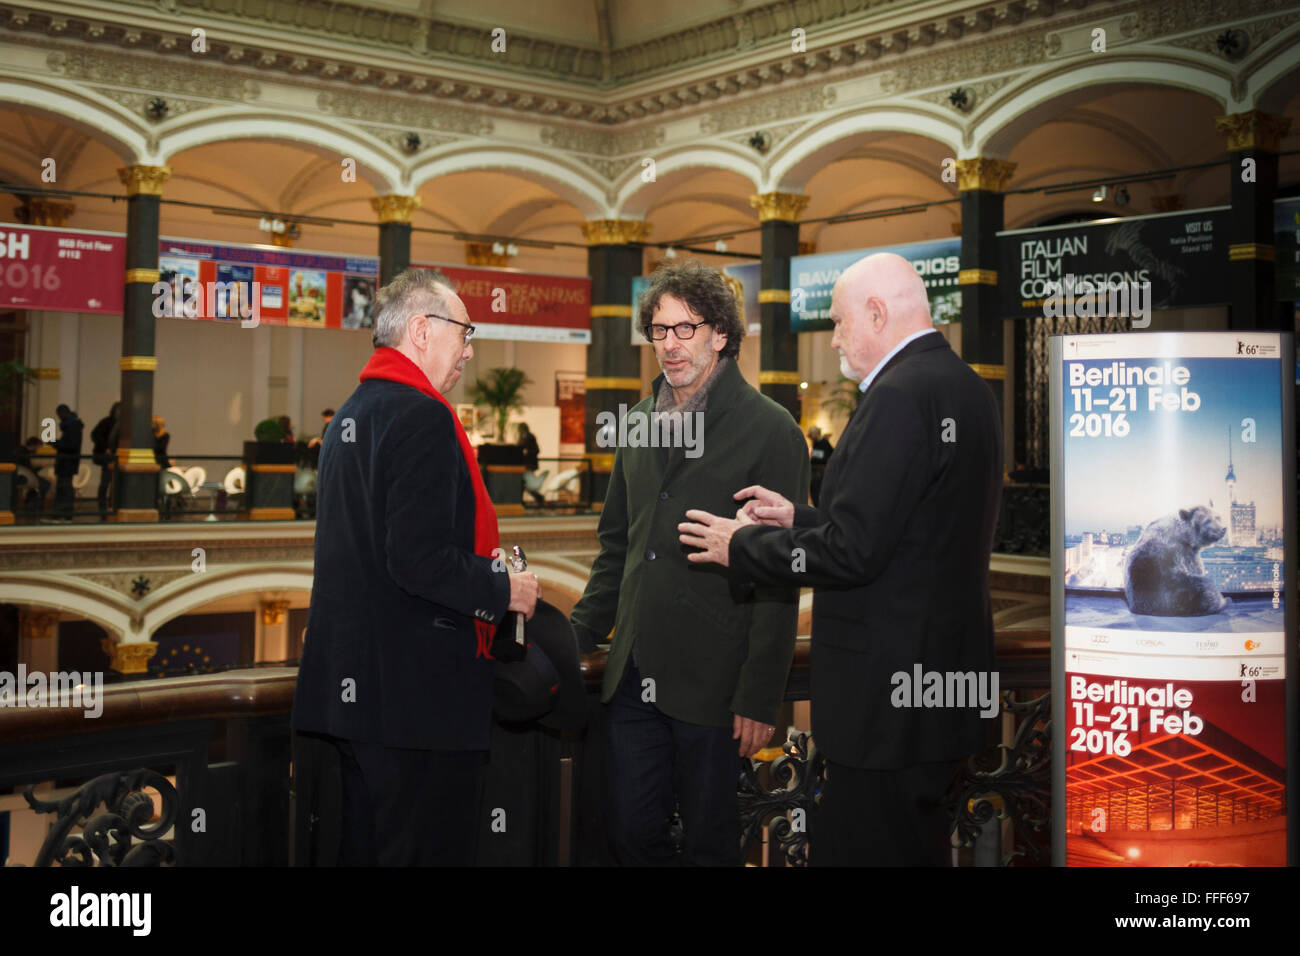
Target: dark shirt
(821, 451)
(69, 446)
(531, 451)
(160, 449)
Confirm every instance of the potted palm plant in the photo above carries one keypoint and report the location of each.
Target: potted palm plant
(14, 377)
(502, 392)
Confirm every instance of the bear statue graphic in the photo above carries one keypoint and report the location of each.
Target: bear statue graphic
(1163, 573)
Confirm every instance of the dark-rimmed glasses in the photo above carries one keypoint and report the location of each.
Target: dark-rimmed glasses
(469, 329)
(683, 331)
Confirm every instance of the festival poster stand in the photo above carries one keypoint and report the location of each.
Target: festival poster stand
(1174, 629)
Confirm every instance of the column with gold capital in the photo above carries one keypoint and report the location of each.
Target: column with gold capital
(614, 253)
(1253, 138)
(778, 375)
(135, 485)
(981, 181)
(394, 214)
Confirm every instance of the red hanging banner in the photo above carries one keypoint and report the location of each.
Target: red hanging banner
(60, 270)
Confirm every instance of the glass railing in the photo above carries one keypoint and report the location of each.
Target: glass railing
(213, 488)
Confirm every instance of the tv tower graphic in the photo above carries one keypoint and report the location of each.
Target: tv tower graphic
(1241, 515)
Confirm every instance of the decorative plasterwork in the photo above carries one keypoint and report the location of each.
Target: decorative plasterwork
(785, 207)
(1259, 31)
(144, 180)
(395, 208)
(768, 109)
(123, 582)
(1253, 130)
(615, 232)
(686, 69)
(984, 173)
(403, 111)
(118, 70)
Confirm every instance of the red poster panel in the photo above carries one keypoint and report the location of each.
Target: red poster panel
(274, 282)
(61, 270)
(571, 397)
(530, 308)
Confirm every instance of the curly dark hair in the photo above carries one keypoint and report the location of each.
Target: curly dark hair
(705, 293)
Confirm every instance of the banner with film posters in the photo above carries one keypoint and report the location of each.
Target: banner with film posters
(1170, 589)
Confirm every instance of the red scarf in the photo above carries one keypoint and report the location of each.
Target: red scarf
(392, 365)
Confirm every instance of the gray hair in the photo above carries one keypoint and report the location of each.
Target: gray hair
(415, 290)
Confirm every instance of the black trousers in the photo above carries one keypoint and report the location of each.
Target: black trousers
(65, 496)
(409, 807)
(883, 817)
(654, 759)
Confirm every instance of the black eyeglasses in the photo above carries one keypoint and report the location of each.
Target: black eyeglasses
(469, 329)
(683, 331)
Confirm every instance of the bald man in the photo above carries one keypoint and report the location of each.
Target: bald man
(897, 553)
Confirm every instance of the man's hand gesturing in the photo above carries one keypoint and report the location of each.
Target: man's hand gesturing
(767, 508)
(524, 590)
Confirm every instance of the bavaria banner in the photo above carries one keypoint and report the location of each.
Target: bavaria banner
(1173, 527)
(813, 277)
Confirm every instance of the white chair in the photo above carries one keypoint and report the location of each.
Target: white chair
(234, 482)
(195, 477)
(82, 477)
(304, 481)
(175, 489)
(559, 486)
(533, 482)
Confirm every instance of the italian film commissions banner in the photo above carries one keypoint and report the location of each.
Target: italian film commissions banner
(812, 278)
(1182, 255)
(1172, 596)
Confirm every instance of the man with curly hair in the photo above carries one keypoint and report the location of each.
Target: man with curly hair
(694, 679)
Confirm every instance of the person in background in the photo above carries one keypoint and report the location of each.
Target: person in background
(528, 442)
(287, 424)
(314, 443)
(820, 454)
(103, 446)
(23, 458)
(67, 461)
(160, 439)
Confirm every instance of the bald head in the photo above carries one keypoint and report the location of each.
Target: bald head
(876, 303)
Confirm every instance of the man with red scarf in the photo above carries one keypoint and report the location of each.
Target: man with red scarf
(396, 668)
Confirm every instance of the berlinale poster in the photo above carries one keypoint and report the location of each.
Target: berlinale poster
(1174, 647)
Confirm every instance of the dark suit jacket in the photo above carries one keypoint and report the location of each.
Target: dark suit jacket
(397, 586)
(898, 555)
(67, 460)
(710, 657)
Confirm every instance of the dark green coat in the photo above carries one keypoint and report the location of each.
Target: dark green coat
(709, 656)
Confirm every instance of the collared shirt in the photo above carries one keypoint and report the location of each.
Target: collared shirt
(866, 382)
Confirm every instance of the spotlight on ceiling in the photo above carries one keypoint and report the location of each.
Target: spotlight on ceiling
(803, 384)
(720, 246)
(1100, 194)
(670, 253)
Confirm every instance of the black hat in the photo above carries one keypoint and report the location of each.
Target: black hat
(539, 681)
